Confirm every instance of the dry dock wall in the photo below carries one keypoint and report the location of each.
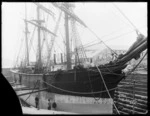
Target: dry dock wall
(131, 95)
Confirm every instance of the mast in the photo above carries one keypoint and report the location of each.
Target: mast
(39, 39)
(26, 35)
(67, 38)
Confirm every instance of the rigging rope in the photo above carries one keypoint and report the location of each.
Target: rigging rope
(32, 90)
(19, 52)
(107, 88)
(92, 88)
(111, 38)
(53, 39)
(31, 40)
(127, 18)
(114, 13)
(78, 50)
(123, 34)
(102, 41)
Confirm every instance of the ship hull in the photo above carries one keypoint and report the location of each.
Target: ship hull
(82, 84)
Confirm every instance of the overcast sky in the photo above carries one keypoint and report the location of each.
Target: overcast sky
(101, 17)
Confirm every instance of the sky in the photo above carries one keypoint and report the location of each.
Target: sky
(102, 18)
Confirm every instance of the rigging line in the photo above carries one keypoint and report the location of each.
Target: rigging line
(120, 18)
(108, 35)
(126, 17)
(59, 46)
(31, 40)
(77, 39)
(102, 41)
(53, 39)
(60, 31)
(107, 88)
(123, 34)
(76, 33)
(92, 87)
(33, 49)
(15, 61)
(43, 40)
(44, 33)
(93, 44)
(19, 51)
(62, 36)
(114, 37)
(32, 90)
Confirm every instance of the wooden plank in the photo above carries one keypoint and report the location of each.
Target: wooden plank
(134, 88)
(131, 101)
(12, 82)
(138, 84)
(20, 88)
(144, 106)
(143, 81)
(137, 76)
(15, 84)
(131, 91)
(32, 92)
(140, 92)
(143, 102)
(127, 95)
(130, 111)
(130, 107)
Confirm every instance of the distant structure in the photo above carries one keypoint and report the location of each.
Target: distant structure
(106, 56)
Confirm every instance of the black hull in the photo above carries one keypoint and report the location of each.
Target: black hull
(79, 82)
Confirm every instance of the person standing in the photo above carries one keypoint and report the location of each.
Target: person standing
(49, 104)
(37, 102)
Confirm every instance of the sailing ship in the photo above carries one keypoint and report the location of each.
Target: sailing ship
(75, 88)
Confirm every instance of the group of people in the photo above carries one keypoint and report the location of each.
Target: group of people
(49, 104)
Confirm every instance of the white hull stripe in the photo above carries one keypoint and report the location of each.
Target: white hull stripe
(81, 100)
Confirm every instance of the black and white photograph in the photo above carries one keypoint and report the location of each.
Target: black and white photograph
(76, 57)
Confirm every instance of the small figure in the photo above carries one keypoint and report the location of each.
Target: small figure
(49, 104)
(37, 101)
(113, 56)
(15, 80)
(54, 105)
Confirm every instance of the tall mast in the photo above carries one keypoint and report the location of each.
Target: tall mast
(67, 39)
(39, 39)
(26, 35)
